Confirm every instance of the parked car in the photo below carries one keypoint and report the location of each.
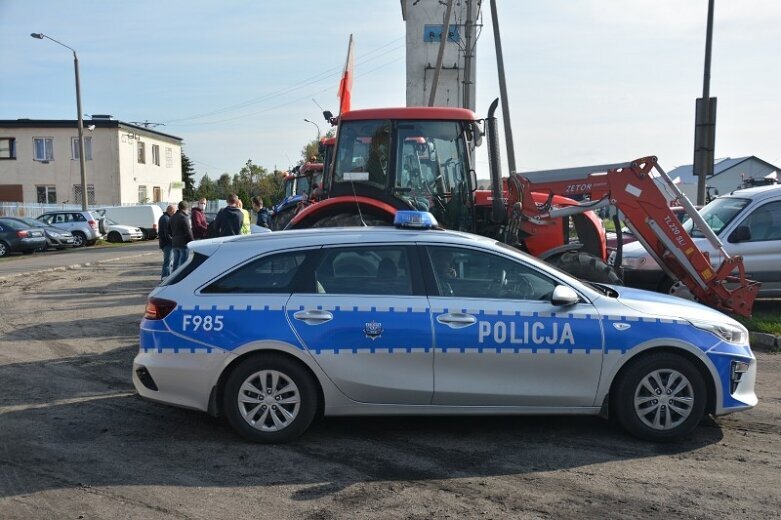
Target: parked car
(748, 223)
(17, 236)
(82, 225)
(271, 330)
(120, 232)
(56, 237)
(143, 216)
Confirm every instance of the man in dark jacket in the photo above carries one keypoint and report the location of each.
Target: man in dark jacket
(264, 216)
(229, 219)
(181, 234)
(164, 239)
(199, 220)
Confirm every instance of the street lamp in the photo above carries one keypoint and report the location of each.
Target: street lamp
(316, 126)
(82, 166)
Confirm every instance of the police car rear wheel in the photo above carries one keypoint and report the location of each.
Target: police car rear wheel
(269, 398)
(660, 397)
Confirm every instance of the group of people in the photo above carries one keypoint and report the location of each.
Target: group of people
(177, 227)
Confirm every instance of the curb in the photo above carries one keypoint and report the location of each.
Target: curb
(763, 342)
(73, 266)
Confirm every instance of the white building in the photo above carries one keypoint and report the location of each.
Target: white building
(424, 25)
(125, 163)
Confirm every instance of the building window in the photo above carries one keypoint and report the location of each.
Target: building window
(142, 195)
(43, 149)
(156, 154)
(169, 157)
(87, 148)
(7, 148)
(46, 194)
(141, 152)
(90, 194)
(157, 194)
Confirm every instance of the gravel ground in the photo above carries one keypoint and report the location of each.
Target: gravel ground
(76, 442)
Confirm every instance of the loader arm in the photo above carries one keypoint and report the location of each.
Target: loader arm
(644, 200)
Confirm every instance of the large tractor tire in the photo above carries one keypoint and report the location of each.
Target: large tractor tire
(280, 220)
(586, 267)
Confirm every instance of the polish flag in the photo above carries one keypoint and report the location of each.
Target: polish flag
(346, 84)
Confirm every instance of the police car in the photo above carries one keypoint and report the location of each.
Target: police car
(273, 330)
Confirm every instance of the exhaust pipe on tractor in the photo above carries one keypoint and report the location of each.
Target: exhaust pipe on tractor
(498, 210)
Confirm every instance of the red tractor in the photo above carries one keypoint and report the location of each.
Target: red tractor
(393, 159)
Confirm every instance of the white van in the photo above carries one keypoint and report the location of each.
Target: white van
(144, 216)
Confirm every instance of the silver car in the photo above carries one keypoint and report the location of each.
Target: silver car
(82, 225)
(748, 222)
(273, 329)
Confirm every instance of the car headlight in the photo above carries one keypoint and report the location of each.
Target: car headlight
(730, 333)
(54, 235)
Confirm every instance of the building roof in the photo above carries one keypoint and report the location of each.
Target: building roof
(72, 123)
(686, 172)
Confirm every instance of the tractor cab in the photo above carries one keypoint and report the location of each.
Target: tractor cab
(408, 159)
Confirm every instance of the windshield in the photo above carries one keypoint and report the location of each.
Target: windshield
(32, 222)
(363, 153)
(289, 186)
(718, 214)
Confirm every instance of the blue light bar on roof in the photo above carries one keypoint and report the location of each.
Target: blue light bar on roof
(415, 220)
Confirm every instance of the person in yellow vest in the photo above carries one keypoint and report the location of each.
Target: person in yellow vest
(245, 226)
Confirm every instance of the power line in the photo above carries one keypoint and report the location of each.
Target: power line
(317, 78)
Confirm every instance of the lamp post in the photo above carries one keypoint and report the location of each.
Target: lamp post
(316, 126)
(82, 165)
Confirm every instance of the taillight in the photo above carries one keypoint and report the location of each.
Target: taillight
(93, 225)
(22, 234)
(158, 308)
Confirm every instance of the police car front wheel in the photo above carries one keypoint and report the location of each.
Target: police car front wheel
(660, 397)
(269, 398)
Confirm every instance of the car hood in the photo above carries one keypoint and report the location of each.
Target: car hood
(666, 306)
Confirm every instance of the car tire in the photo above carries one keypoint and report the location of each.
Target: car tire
(676, 288)
(144, 234)
(4, 249)
(79, 239)
(292, 401)
(660, 397)
(114, 237)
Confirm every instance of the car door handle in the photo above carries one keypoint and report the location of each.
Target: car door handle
(456, 320)
(313, 317)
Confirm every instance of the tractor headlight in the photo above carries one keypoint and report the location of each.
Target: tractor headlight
(726, 332)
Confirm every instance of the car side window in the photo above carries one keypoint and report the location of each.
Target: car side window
(46, 218)
(468, 273)
(274, 273)
(77, 217)
(365, 270)
(59, 218)
(765, 223)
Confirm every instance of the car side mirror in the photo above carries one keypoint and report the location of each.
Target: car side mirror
(741, 234)
(564, 296)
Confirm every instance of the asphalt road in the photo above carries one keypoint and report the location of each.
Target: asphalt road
(16, 264)
(77, 442)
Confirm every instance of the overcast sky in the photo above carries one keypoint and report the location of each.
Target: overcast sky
(590, 81)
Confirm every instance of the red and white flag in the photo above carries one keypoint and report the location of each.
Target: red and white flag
(346, 84)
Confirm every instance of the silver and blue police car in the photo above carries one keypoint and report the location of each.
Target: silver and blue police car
(271, 330)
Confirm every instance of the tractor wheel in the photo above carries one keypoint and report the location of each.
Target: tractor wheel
(280, 220)
(586, 267)
(350, 220)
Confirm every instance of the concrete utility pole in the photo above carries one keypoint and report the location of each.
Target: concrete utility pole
(468, 57)
(442, 41)
(82, 165)
(705, 121)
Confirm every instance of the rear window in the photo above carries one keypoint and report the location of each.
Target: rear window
(13, 224)
(274, 273)
(184, 271)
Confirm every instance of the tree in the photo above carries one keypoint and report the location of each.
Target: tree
(207, 189)
(224, 186)
(188, 177)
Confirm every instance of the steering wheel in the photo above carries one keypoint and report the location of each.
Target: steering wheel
(524, 288)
